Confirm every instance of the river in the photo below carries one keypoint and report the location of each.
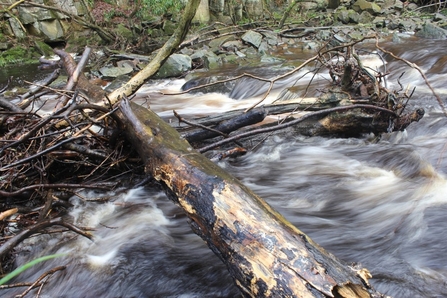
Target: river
(381, 203)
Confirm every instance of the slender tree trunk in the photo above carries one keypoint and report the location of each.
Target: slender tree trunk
(169, 47)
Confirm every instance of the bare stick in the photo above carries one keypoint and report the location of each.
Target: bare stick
(75, 75)
(40, 153)
(26, 97)
(14, 241)
(413, 65)
(8, 213)
(37, 283)
(16, 285)
(181, 119)
(7, 194)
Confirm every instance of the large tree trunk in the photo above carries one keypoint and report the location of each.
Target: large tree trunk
(266, 255)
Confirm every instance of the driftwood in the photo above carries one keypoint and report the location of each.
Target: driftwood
(348, 121)
(266, 255)
(252, 117)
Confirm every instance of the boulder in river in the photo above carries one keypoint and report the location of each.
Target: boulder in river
(174, 66)
(429, 30)
(253, 38)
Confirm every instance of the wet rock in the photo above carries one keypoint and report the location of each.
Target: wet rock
(201, 78)
(271, 38)
(365, 18)
(429, 30)
(253, 38)
(439, 17)
(353, 16)
(117, 82)
(379, 22)
(342, 15)
(16, 28)
(29, 15)
(407, 25)
(270, 59)
(389, 5)
(363, 5)
(210, 60)
(113, 72)
(396, 38)
(263, 48)
(218, 42)
(311, 46)
(232, 45)
(249, 53)
(232, 58)
(175, 65)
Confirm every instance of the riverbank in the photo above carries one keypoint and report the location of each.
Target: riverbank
(306, 22)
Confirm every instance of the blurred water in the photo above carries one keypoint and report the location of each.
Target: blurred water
(381, 204)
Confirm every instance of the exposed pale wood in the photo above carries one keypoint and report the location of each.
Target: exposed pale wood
(266, 254)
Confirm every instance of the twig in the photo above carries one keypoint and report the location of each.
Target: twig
(34, 129)
(40, 153)
(181, 119)
(7, 104)
(6, 194)
(413, 65)
(14, 241)
(16, 285)
(25, 97)
(38, 283)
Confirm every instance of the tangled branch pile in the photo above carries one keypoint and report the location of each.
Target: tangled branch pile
(48, 156)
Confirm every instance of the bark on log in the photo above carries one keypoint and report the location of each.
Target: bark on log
(266, 255)
(93, 92)
(252, 117)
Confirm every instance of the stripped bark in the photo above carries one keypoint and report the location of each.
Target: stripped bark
(266, 255)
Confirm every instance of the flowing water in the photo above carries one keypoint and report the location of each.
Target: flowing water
(382, 204)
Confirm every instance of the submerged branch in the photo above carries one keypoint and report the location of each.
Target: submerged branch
(294, 122)
(14, 241)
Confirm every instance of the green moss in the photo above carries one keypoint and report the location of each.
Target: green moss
(43, 48)
(122, 31)
(18, 54)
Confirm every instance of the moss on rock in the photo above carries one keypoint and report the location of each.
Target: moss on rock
(18, 54)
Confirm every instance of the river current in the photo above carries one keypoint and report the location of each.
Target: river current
(382, 204)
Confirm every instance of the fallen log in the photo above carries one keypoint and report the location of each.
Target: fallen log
(266, 255)
(252, 117)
